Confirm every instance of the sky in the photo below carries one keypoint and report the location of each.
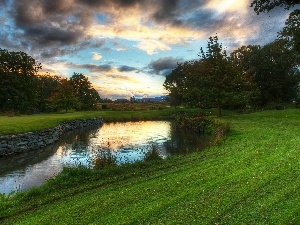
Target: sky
(127, 47)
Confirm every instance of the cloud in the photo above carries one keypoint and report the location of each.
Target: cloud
(96, 56)
(164, 66)
(127, 69)
(48, 30)
(153, 46)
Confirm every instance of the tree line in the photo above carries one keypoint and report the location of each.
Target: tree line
(251, 75)
(24, 91)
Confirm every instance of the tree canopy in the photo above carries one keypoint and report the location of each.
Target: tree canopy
(267, 5)
(212, 81)
(17, 80)
(22, 89)
(87, 95)
(291, 31)
(251, 76)
(274, 71)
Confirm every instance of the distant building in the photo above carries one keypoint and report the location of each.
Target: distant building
(155, 99)
(122, 100)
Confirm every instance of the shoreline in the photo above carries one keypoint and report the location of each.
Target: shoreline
(29, 141)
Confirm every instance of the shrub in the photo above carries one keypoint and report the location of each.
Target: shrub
(198, 123)
(220, 131)
(152, 154)
(104, 159)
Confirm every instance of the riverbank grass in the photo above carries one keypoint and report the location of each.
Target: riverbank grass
(26, 123)
(251, 178)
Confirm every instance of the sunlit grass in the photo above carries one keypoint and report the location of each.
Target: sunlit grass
(251, 178)
(26, 123)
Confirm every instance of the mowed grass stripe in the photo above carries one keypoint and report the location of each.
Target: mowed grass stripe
(252, 178)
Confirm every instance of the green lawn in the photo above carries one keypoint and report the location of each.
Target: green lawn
(25, 123)
(252, 178)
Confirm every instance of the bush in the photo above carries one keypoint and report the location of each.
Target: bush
(104, 159)
(198, 123)
(152, 154)
(220, 131)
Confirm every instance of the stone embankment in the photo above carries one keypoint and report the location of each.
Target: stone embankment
(11, 144)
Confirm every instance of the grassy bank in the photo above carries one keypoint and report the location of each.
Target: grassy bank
(252, 178)
(25, 123)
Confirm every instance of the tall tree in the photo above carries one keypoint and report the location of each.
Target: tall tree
(291, 31)
(85, 93)
(212, 81)
(174, 84)
(273, 68)
(64, 97)
(47, 86)
(17, 80)
(221, 81)
(267, 5)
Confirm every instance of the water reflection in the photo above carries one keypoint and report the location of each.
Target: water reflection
(127, 142)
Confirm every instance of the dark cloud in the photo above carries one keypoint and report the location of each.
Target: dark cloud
(48, 35)
(166, 11)
(110, 3)
(164, 66)
(91, 67)
(96, 68)
(58, 27)
(174, 11)
(126, 69)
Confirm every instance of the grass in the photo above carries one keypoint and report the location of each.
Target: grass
(26, 123)
(252, 178)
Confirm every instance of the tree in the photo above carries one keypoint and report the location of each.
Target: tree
(221, 81)
(86, 94)
(291, 31)
(17, 80)
(212, 81)
(274, 71)
(47, 86)
(174, 84)
(64, 97)
(267, 5)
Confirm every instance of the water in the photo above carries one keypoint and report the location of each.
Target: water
(127, 142)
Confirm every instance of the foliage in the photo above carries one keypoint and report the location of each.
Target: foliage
(86, 94)
(17, 80)
(152, 154)
(273, 69)
(220, 130)
(104, 159)
(23, 89)
(47, 85)
(64, 97)
(174, 83)
(198, 123)
(291, 32)
(212, 81)
(267, 5)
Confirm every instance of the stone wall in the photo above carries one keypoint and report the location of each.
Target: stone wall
(11, 144)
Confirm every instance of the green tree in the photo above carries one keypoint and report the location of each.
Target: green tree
(213, 81)
(64, 97)
(47, 86)
(86, 94)
(267, 5)
(221, 82)
(273, 68)
(174, 84)
(291, 31)
(17, 80)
